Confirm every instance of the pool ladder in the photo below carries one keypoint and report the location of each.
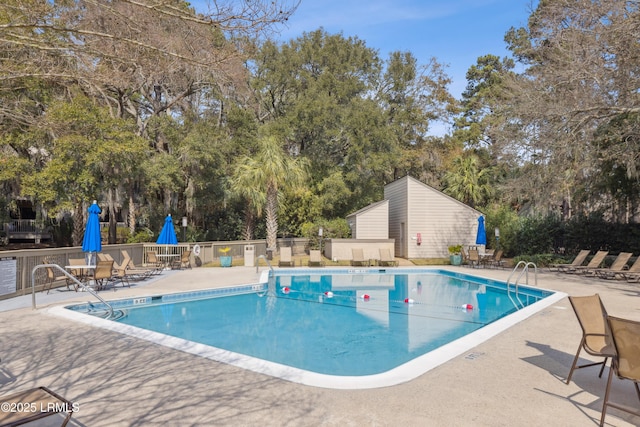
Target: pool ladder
(73, 279)
(524, 272)
(265, 260)
(271, 281)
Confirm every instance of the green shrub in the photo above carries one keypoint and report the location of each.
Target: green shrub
(507, 221)
(335, 228)
(455, 249)
(540, 260)
(536, 235)
(142, 236)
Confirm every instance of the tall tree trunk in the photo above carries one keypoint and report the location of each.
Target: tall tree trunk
(566, 208)
(78, 224)
(167, 200)
(249, 222)
(271, 212)
(113, 221)
(132, 213)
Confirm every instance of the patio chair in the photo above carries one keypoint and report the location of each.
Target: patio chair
(632, 275)
(625, 335)
(108, 257)
(153, 262)
(578, 260)
(315, 258)
(285, 257)
(46, 402)
(77, 261)
(104, 257)
(357, 258)
(619, 264)
(120, 273)
(53, 276)
(595, 262)
(184, 261)
(79, 273)
(497, 260)
(386, 259)
(465, 256)
(474, 258)
(596, 340)
(132, 270)
(103, 274)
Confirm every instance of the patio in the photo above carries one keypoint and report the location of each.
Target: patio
(514, 379)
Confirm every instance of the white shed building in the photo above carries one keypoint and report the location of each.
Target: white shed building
(370, 222)
(424, 222)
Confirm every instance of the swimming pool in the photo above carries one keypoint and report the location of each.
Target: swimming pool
(335, 328)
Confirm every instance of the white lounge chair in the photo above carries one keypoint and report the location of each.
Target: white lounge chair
(285, 257)
(315, 259)
(386, 259)
(357, 258)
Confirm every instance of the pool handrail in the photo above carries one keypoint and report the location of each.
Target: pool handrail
(73, 279)
(525, 271)
(266, 260)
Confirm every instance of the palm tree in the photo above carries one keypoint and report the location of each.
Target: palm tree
(466, 182)
(243, 187)
(261, 178)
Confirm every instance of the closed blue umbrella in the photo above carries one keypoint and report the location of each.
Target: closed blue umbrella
(167, 234)
(92, 241)
(481, 237)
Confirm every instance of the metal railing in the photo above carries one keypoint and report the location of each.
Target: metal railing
(119, 224)
(26, 229)
(524, 272)
(72, 278)
(265, 260)
(22, 226)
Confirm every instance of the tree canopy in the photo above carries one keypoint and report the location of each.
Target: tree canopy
(155, 108)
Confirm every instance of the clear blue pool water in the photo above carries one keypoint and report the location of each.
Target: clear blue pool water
(333, 323)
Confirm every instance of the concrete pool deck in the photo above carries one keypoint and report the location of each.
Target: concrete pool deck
(514, 379)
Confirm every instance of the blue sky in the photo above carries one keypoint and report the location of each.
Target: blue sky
(455, 32)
